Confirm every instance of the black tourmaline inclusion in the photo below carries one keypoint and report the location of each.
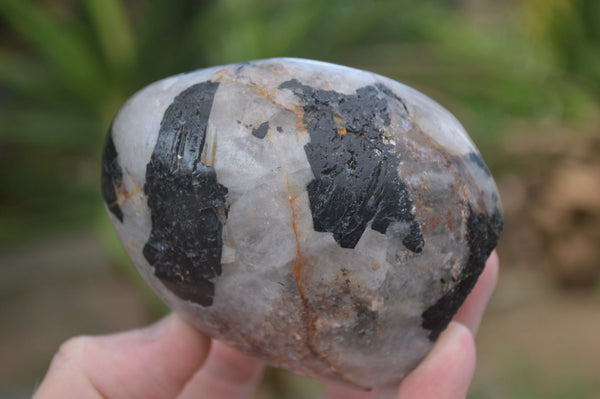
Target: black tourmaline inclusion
(483, 233)
(186, 202)
(112, 176)
(356, 183)
(261, 131)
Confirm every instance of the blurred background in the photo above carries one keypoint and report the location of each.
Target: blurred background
(523, 76)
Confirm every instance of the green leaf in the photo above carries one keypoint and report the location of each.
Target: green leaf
(113, 31)
(72, 59)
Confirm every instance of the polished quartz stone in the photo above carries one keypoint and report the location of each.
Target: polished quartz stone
(327, 220)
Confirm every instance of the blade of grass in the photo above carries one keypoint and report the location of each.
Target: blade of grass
(73, 60)
(113, 31)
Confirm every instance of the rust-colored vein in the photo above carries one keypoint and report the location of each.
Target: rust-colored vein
(124, 195)
(446, 155)
(268, 94)
(121, 191)
(298, 262)
(209, 154)
(340, 124)
(298, 269)
(214, 150)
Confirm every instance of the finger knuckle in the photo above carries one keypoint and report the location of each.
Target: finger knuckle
(71, 351)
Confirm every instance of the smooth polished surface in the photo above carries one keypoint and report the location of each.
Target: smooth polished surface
(327, 220)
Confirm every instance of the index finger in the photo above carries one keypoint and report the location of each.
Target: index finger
(152, 362)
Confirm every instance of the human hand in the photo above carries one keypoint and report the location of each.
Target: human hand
(170, 359)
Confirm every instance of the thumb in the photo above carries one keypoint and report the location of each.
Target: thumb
(152, 362)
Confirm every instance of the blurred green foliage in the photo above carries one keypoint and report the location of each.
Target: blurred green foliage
(572, 29)
(67, 66)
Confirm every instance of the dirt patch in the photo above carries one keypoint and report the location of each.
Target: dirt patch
(552, 205)
(536, 341)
